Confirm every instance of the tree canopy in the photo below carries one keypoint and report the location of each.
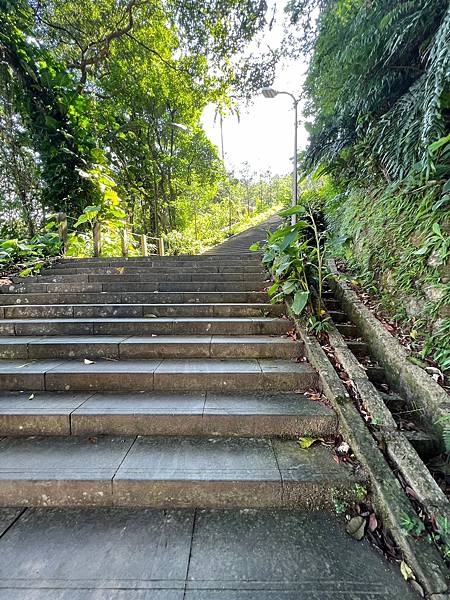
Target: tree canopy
(102, 94)
(377, 88)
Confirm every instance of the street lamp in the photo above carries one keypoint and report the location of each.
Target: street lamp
(271, 93)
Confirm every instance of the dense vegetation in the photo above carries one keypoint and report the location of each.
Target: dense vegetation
(378, 105)
(100, 105)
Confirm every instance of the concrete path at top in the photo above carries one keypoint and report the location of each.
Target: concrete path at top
(149, 416)
(239, 243)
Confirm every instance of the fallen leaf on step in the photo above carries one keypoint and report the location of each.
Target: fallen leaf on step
(150, 316)
(314, 396)
(31, 397)
(92, 440)
(120, 270)
(373, 522)
(406, 571)
(5, 281)
(307, 442)
(343, 448)
(435, 373)
(89, 362)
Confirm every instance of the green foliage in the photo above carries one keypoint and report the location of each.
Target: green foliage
(294, 254)
(119, 87)
(340, 502)
(437, 532)
(29, 255)
(413, 525)
(396, 243)
(45, 95)
(378, 98)
(108, 212)
(378, 84)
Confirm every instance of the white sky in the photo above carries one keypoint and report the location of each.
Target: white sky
(263, 133)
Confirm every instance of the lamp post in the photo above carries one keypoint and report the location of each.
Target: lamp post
(271, 93)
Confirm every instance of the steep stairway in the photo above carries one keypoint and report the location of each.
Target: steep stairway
(149, 417)
(158, 382)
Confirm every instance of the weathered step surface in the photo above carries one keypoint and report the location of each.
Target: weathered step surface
(89, 311)
(139, 286)
(169, 268)
(135, 298)
(146, 326)
(187, 554)
(193, 414)
(158, 346)
(155, 261)
(157, 374)
(148, 277)
(168, 472)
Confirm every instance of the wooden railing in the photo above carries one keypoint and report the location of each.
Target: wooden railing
(63, 232)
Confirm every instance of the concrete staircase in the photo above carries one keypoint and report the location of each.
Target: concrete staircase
(158, 382)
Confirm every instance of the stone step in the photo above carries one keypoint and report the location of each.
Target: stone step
(135, 298)
(130, 270)
(57, 311)
(146, 326)
(347, 329)
(157, 374)
(161, 346)
(169, 261)
(194, 413)
(338, 316)
(332, 304)
(202, 258)
(168, 472)
(139, 277)
(140, 286)
(375, 373)
(358, 348)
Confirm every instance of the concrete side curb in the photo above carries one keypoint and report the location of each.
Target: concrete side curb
(405, 377)
(389, 499)
(397, 446)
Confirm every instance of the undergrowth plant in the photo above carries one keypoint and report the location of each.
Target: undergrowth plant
(294, 253)
(29, 255)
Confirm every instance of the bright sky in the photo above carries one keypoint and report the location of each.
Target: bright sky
(263, 133)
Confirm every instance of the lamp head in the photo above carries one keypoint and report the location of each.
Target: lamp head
(268, 92)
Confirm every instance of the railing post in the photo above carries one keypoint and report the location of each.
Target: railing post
(144, 248)
(161, 246)
(124, 240)
(61, 219)
(96, 234)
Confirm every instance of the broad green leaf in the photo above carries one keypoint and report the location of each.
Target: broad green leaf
(439, 143)
(273, 288)
(300, 301)
(289, 286)
(442, 201)
(287, 241)
(294, 210)
(436, 229)
(254, 247)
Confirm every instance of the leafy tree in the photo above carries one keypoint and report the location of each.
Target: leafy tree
(103, 86)
(378, 82)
